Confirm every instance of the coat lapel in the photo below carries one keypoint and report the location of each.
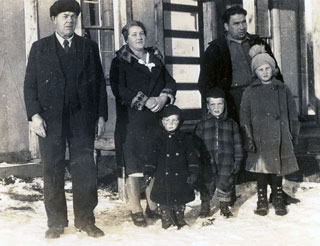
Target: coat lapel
(53, 58)
(79, 56)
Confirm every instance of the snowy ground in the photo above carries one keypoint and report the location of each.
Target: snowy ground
(23, 221)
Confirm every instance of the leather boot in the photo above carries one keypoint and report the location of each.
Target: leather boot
(262, 204)
(278, 202)
(224, 210)
(179, 216)
(167, 217)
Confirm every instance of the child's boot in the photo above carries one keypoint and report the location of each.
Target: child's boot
(278, 202)
(262, 204)
(205, 209)
(179, 214)
(224, 210)
(167, 217)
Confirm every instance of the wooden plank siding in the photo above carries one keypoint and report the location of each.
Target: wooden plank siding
(183, 40)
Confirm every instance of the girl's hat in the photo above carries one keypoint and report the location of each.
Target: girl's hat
(170, 110)
(260, 57)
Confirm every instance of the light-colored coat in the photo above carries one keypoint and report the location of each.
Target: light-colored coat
(270, 112)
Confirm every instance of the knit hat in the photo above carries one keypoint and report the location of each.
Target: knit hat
(260, 57)
(63, 6)
(215, 92)
(171, 110)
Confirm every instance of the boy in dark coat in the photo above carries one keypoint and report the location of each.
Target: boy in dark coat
(174, 165)
(220, 151)
(268, 117)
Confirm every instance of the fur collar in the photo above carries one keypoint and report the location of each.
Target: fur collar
(126, 54)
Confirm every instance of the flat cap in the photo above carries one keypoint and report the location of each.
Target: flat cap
(63, 6)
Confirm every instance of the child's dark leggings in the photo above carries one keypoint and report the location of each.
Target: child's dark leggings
(263, 179)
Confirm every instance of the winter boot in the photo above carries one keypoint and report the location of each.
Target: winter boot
(167, 217)
(262, 204)
(153, 213)
(287, 199)
(224, 210)
(205, 209)
(179, 216)
(277, 201)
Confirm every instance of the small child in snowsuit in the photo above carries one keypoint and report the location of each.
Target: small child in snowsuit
(174, 165)
(220, 151)
(270, 124)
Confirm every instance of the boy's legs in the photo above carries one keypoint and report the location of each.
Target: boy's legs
(224, 185)
(206, 193)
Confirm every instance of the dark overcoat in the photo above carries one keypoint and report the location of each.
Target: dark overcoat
(44, 87)
(173, 157)
(270, 113)
(136, 84)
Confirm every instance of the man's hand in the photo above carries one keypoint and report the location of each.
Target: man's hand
(101, 127)
(38, 125)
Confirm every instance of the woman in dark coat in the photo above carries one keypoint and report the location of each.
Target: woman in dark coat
(269, 119)
(144, 88)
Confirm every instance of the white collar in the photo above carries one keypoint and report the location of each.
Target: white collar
(61, 39)
(147, 64)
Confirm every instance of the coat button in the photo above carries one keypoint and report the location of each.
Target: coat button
(177, 154)
(176, 174)
(168, 155)
(169, 136)
(167, 173)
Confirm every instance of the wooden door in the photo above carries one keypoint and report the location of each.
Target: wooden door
(183, 45)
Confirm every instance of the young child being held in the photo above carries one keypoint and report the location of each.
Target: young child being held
(220, 151)
(174, 164)
(269, 120)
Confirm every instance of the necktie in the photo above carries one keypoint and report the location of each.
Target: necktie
(66, 45)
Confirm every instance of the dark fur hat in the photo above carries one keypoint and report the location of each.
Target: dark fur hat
(171, 110)
(63, 6)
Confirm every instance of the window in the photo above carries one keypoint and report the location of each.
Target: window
(97, 23)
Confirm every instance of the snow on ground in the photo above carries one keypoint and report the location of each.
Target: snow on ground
(23, 221)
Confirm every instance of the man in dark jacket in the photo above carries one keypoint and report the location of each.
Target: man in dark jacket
(226, 62)
(65, 97)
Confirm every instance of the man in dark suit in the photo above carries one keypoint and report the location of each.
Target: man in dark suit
(65, 97)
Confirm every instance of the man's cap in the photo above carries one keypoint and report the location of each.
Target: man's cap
(215, 92)
(63, 6)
